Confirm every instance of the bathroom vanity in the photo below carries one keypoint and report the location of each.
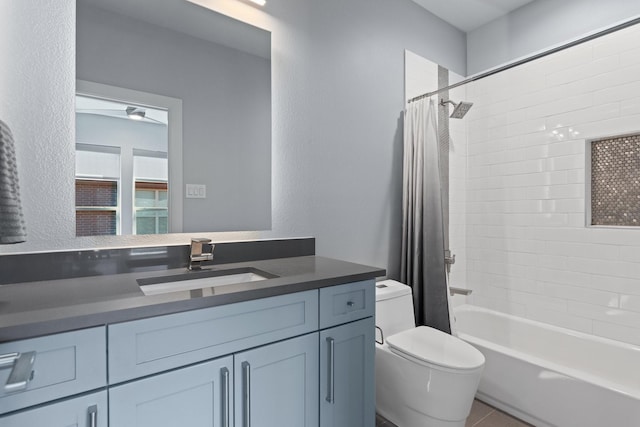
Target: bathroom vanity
(296, 349)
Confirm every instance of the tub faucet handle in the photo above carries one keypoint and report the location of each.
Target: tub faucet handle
(449, 260)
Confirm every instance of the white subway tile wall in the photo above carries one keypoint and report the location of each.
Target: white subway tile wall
(518, 215)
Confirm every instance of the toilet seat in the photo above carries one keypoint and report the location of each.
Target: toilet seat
(432, 347)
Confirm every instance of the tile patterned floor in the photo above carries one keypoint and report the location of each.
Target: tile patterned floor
(482, 415)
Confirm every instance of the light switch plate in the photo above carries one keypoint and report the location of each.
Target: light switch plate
(196, 191)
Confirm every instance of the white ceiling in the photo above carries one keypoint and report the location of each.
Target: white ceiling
(468, 15)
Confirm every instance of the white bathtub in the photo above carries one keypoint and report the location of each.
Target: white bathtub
(551, 376)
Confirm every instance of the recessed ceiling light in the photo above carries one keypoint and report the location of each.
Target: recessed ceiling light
(259, 2)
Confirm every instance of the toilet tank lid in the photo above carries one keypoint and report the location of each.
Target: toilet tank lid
(435, 347)
(387, 289)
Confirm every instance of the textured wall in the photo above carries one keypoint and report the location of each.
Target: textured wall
(529, 251)
(37, 102)
(539, 25)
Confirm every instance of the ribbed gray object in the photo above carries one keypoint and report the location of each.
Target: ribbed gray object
(12, 227)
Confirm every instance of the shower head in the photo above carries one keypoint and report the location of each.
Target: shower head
(460, 109)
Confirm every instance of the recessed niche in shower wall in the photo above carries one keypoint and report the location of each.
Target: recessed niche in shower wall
(615, 181)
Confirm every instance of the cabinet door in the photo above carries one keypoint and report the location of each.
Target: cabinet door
(277, 385)
(347, 395)
(85, 411)
(195, 396)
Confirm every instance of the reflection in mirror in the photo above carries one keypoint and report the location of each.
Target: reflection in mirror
(121, 168)
(220, 70)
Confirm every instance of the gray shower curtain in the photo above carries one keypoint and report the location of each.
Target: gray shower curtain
(422, 261)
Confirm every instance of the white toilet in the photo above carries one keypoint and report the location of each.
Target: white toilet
(424, 377)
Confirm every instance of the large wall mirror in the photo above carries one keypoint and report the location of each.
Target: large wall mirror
(218, 71)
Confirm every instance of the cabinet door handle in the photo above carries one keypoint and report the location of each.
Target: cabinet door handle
(246, 397)
(331, 370)
(225, 397)
(21, 369)
(93, 416)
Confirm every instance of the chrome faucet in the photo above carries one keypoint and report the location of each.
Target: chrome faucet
(197, 256)
(459, 291)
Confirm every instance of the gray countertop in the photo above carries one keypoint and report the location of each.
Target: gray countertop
(40, 308)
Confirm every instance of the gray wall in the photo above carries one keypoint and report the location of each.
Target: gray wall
(357, 89)
(338, 78)
(226, 99)
(539, 25)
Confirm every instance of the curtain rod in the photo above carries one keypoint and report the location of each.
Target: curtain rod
(551, 51)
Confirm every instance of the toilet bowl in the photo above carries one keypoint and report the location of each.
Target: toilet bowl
(424, 377)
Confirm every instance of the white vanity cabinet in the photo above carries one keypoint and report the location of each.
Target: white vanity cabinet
(303, 359)
(263, 368)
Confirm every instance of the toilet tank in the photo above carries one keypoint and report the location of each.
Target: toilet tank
(394, 308)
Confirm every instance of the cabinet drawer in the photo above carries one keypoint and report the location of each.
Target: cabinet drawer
(76, 412)
(65, 364)
(346, 303)
(147, 346)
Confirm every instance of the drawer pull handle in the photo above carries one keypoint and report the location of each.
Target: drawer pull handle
(246, 397)
(331, 370)
(350, 303)
(93, 416)
(225, 397)
(21, 370)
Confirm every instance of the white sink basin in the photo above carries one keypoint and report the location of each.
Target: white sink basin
(206, 280)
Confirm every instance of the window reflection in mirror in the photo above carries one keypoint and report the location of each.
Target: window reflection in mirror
(151, 197)
(122, 178)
